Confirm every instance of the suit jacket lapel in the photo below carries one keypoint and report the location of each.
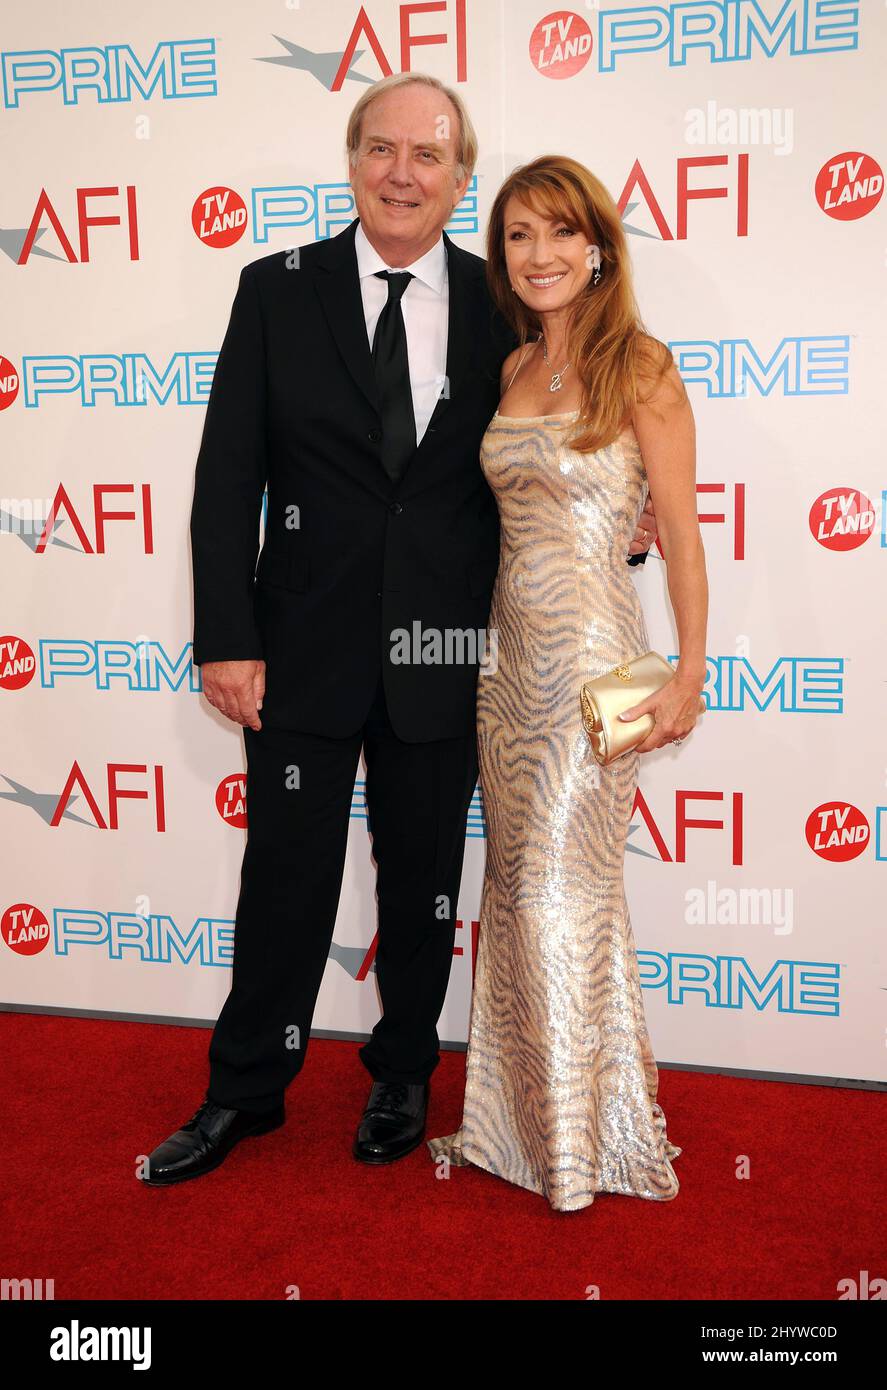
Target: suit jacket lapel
(338, 285)
(465, 298)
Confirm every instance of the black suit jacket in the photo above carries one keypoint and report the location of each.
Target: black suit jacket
(348, 556)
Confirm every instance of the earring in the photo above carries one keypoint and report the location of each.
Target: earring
(595, 264)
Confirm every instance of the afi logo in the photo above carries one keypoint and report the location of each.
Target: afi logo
(686, 170)
(61, 501)
(364, 36)
(84, 221)
(684, 820)
(115, 794)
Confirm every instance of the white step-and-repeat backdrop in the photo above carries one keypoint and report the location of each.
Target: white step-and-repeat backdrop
(148, 153)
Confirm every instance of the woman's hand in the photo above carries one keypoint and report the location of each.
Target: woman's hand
(645, 531)
(675, 709)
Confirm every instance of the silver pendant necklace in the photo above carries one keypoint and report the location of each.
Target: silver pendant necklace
(556, 382)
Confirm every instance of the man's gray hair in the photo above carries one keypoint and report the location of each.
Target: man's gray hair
(466, 142)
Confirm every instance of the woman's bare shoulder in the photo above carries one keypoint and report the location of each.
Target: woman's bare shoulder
(512, 359)
(659, 381)
(509, 367)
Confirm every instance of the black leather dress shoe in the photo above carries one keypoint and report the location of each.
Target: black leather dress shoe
(393, 1123)
(205, 1142)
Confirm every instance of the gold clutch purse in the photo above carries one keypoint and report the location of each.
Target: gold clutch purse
(604, 698)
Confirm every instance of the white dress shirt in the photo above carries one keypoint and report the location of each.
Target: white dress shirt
(425, 307)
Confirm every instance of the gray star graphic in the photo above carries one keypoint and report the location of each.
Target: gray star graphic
(633, 849)
(323, 66)
(351, 958)
(635, 231)
(12, 239)
(30, 529)
(44, 803)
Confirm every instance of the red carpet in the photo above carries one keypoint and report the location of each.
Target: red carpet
(81, 1099)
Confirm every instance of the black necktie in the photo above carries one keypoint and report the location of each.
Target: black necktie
(392, 369)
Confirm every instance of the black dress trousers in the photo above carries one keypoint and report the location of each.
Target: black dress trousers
(299, 792)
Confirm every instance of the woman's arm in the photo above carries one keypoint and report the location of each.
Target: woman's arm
(666, 433)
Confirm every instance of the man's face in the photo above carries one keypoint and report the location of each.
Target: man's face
(404, 182)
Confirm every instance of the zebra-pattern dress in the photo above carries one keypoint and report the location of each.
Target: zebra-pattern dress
(561, 1082)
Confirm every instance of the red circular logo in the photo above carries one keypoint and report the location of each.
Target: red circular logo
(837, 831)
(17, 663)
(231, 800)
(219, 217)
(24, 929)
(842, 518)
(560, 44)
(849, 185)
(9, 383)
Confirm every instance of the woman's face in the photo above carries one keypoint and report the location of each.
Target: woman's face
(549, 262)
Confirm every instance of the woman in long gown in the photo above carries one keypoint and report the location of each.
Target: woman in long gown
(561, 1081)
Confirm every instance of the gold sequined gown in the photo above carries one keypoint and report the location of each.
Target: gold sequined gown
(561, 1082)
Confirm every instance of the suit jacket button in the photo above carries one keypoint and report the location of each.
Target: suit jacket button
(396, 508)
(374, 436)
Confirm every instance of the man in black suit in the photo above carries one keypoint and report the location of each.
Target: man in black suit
(357, 391)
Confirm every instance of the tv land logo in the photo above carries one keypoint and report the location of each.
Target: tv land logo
(839, 831)
(219, 217)
(727, 368)
(849, 186)
(721, 981)
(9, 383)
(25, 929)
(231, 800)
(844, 518)
(563, 42)
(18, 665)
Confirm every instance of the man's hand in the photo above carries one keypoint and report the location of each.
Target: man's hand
(236, 689)
(646, 531)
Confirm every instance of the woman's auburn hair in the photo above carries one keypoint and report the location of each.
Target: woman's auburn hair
(607, 344)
